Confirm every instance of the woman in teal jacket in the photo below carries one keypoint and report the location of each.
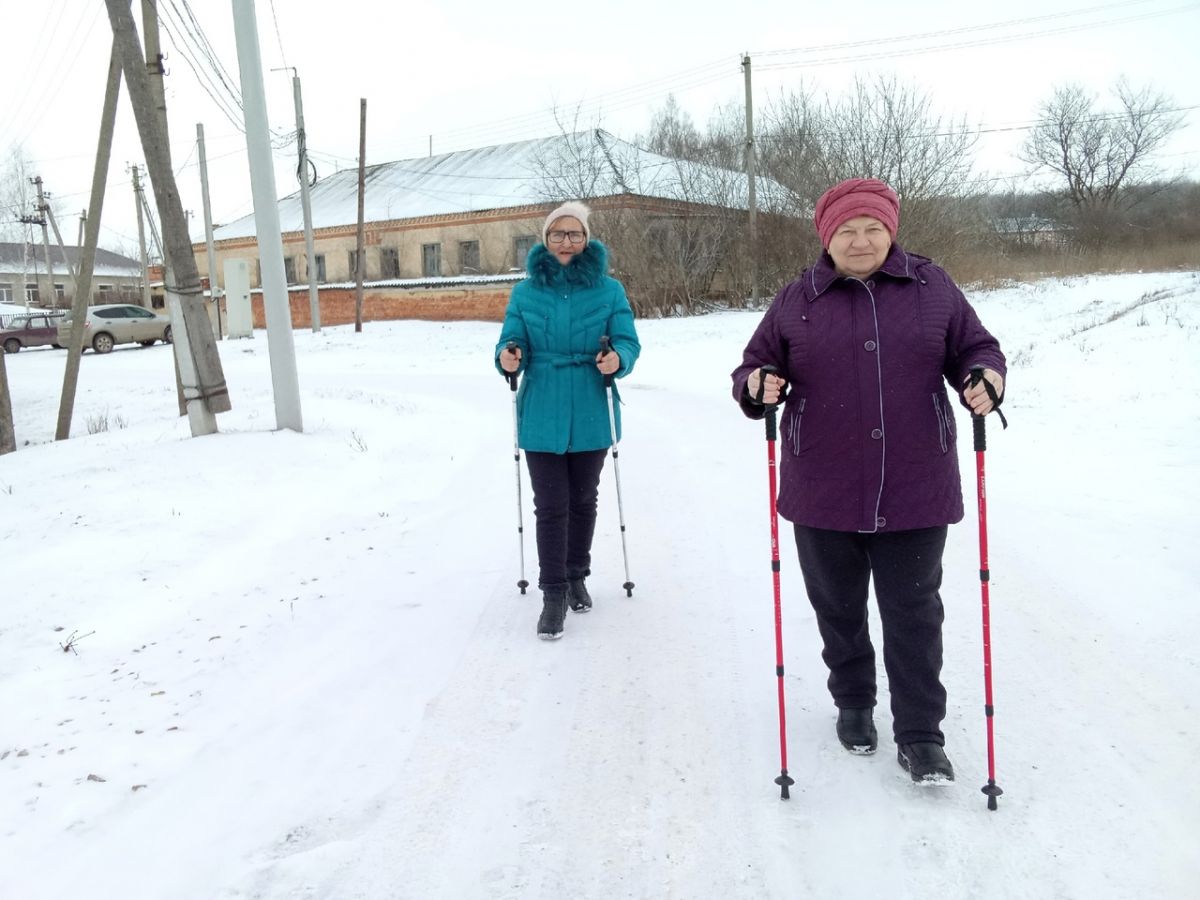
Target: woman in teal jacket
(556, 318)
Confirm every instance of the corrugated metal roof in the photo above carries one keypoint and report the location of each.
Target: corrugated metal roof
(526, 173)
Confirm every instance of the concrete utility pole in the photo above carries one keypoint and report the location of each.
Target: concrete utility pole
(82, 225)
(314, 301)
(63, 251)
(752, 234)
(280, 345)
(8, 438)
(87, 258)
(213, 290)
(42, 206)
(200, 369)
(138, 201)
(359, 268)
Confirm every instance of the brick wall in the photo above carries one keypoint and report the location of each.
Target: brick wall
(486, 303)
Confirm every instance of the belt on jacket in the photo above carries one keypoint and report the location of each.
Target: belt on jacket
(558, 360)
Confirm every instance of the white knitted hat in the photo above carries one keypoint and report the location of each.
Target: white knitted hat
(571, 208)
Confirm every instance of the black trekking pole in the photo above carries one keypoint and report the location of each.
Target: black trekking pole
(991, 788)
(784, 780)
(605, 349)
(512, 383)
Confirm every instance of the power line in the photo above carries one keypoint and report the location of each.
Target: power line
(961, 45)
(950, 31)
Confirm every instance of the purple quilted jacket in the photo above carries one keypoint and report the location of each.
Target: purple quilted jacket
(867, 430)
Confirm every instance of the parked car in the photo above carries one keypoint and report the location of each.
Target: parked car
(118, 323)
(33, 330)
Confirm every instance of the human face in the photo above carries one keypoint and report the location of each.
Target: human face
(859, 246)
(565, 250)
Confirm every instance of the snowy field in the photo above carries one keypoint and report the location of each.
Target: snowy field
(298, 666)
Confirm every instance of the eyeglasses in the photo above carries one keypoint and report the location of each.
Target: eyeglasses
(557, 237)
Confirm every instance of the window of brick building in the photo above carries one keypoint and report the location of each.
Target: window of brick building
(353, 257)
(431, 259)
(321, 279)
(522, 244)
(389, 262)
(31, 292)
(468, 257)
(289, 269)
(6, 292)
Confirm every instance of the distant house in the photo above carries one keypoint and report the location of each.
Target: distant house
(1029, 231)
(25, 278)
(465, 221)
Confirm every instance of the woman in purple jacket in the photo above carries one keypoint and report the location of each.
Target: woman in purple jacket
(865, 343)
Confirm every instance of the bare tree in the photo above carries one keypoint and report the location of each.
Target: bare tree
(672, 133)
(1101, 156)
(16, 194)
(884, 129)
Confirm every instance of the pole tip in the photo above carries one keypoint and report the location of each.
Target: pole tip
(784, 781)
(522, 584)
(628, 588)
(993, 791)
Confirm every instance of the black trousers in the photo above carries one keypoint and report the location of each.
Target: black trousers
(907, 569)
(564, 502)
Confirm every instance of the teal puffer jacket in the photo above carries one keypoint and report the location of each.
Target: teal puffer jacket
(557, 316)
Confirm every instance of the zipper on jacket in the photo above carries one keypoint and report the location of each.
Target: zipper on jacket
(945, 423)
(793, 428)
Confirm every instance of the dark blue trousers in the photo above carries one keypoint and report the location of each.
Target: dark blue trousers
(565, 490)
(906, 567)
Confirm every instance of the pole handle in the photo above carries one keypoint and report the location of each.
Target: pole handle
(512, 376)
(605, 349)
(978, 422)
(772, 422)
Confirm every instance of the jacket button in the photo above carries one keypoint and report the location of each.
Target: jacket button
(880, 522)
(876, 434)
(871, 284)
(869, 345)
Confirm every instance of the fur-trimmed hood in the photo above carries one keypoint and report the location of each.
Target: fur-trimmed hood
(587, 269)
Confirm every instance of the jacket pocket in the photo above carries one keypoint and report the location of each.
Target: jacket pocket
(945, 420)
(793, 416)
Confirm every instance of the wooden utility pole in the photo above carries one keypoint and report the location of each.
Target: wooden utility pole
(314, 302)
(138, 201)
(87, 257)
(195, 347)
(213, 292)
(42, 206)
(362, 193)
(752, 231)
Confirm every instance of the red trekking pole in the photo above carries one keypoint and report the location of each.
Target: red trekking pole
(784, 780)
(991, 788)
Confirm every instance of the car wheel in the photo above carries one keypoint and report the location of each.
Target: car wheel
(167, 335)
(102, 343)
(57, 346)
(12, 345)
(146, 343)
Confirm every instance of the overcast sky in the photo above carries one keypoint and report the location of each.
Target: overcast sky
(475, 73)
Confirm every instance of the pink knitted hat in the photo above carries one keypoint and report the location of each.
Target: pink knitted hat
(856, 197)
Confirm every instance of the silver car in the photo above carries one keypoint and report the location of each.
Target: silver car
(118, 323)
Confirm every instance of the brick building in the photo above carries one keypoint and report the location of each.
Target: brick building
(446, 236)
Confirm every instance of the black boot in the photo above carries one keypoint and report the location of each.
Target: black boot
(554, 611)
(578, 596)
(926, 762)
(856, 730)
